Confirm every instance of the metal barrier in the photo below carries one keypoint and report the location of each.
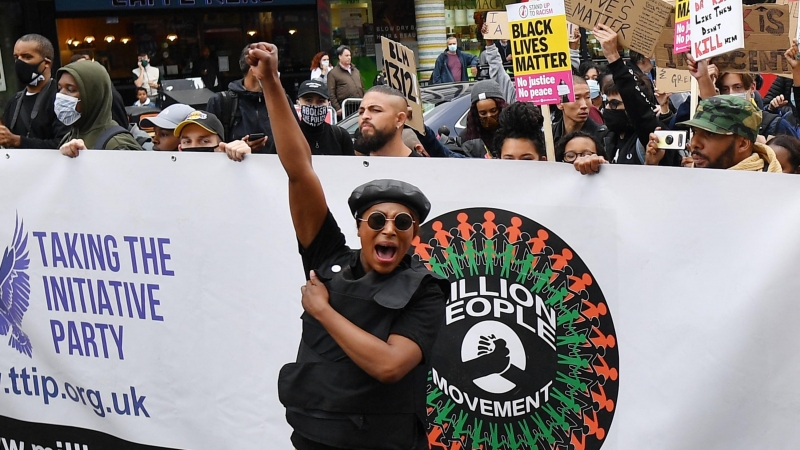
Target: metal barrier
(350, 106)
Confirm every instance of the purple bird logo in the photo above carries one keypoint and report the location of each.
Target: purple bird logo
(15, 291)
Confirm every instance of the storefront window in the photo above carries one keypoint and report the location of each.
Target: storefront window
(175, 41)
(461, 20)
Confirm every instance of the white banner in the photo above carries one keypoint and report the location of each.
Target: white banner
(164, 297)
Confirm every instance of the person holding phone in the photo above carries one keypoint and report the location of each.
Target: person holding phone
(371, 315)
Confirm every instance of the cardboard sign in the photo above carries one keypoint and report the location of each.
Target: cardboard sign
(670, 81)
(716, 27)
(682, 17)
(540, 48)
(638, 23)
(497, 23)
(401, 73)
(766, 38)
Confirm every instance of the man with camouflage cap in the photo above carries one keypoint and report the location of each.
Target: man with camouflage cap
(724, 131)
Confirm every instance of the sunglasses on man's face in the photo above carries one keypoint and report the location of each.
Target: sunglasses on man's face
(377, 220)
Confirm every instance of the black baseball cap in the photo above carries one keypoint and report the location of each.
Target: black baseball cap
(204, 119)
(314, 87)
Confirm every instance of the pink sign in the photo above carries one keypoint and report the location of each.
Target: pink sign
(545, 88)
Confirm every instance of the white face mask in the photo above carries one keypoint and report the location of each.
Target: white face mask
(452, 47)
(741, 95)
(324, 63)
(65, 109)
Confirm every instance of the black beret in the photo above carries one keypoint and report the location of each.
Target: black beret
(389, 191)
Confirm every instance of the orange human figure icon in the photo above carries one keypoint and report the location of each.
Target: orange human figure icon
(489, 227)
(421, 248)
(433, 437)
(539, 242)
(441, 235)
(579, 284)
(463, 227)
(578, 444)
(513, 231)
(601, 399)
(602, 340)
(610, 373)
(561, 260)
(592, 311)
(594, 425)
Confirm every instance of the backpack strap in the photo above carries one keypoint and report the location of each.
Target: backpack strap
(107, 135)
(17, 108)
(230, 110)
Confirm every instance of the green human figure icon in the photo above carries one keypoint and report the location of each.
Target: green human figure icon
(454, 259)
(472, 258)
(508, 259)
(546, 431)
(526, 266)
(444, 412)
(458, 426)
(437, 267)
(489, 256)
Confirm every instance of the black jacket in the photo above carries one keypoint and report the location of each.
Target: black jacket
(325, 139)
(625, 150)
(249, 115)
(781, 86)
(42, 131)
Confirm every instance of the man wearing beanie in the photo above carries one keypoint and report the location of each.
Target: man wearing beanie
(483, 118)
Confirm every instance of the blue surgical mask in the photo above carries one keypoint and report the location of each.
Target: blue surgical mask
(64, 107)
(452, 47)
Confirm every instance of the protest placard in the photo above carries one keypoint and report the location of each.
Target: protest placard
(716, 27)
(497, 25)
(542, 67)
(766, 37)
(638, 24)
(682, 16)
(670, 81)
(539, 44)
(401, 73)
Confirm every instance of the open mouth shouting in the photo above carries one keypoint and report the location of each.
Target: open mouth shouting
(385, 252)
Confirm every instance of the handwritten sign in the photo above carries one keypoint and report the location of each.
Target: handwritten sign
(682, 17)
(766, 37)
(401, 73)
(638, 23)
(716, 27)
(497, 25)
(540, 48)
(670, 81)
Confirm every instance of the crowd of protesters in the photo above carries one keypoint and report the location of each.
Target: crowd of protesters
(612, 120)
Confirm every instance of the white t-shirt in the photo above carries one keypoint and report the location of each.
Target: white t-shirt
(150, 74)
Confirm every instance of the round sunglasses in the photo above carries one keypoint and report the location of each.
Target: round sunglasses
(377, 220)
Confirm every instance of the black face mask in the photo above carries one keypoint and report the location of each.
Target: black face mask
(28, 74)
(199, 149)
(616, 120)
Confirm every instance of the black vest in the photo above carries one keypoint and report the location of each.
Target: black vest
(328, 398)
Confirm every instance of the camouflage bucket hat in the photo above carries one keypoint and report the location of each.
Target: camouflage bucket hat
(726, 114)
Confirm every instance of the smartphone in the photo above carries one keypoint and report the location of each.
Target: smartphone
(256, 136)
(671, 139)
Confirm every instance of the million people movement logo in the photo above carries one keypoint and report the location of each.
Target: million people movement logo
(527, 357)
